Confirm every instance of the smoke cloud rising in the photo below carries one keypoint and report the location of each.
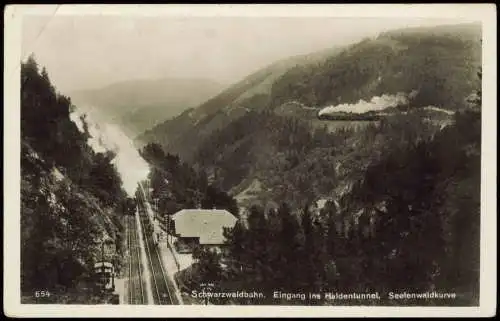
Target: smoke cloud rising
(377, 103)
(109, 137)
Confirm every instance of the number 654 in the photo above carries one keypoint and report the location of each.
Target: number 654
(42, 294)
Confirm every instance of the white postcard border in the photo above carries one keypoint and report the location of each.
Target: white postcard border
(13, 15)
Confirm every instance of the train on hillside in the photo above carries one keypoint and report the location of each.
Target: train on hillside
(343, 116)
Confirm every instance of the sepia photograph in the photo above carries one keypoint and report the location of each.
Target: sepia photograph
(219, 156)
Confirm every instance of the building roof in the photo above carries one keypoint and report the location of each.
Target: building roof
(206, 224)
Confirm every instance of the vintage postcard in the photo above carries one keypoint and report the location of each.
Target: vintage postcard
(237, 160)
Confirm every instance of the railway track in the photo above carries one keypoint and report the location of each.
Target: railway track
(161, 288)
(136, 291)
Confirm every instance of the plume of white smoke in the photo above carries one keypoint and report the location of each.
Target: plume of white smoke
(76, 117)
(377, 103)
(109, 137)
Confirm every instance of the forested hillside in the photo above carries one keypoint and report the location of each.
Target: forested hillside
(296, 161)
(71, 197)
(409, 223)
(438, 64)
(177, 185)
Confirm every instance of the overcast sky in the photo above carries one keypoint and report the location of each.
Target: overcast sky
(83, 52)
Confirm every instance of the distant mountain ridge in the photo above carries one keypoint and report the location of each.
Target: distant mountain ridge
(137, 105)
(251, 92)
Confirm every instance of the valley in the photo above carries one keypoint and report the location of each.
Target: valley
(352, 168)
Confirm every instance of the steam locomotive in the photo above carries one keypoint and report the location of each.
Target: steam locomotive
(129, 206)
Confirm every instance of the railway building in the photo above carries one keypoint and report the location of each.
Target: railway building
(203, 227)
